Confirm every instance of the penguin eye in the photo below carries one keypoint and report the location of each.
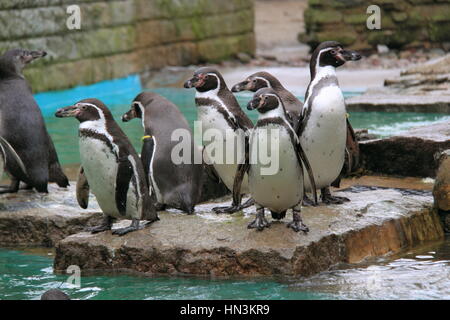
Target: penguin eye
(83, 107)
(333, 52)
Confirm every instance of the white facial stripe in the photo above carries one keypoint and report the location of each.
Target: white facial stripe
(98, 125)
(321, 72)
(265, 80)
(213, 94)
(278, 112)
(141, 107)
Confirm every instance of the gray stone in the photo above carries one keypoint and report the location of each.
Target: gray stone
(408, 154)
(32, 219)
(377, 221)
(441, 189)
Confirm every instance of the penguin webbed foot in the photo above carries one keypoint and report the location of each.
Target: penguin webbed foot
(327, 198)
(297, 224)
(123, 231)
(105, 226)
(234, 208)
(260, 222)
(307, 202)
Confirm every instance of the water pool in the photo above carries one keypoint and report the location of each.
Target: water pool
(423, 273)
(118, 95)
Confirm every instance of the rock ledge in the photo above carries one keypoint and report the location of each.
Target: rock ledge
(377, 221)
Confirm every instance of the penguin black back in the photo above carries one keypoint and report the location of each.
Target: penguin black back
(22, 125)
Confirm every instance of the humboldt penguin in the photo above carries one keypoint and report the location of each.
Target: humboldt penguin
(278, 184)
(294, 108)
(110, 167)
(174, 173)
(225, 129)
(23, 127)
(323, 130)
(264, 79)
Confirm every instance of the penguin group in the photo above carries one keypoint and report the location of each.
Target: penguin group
(307, 144)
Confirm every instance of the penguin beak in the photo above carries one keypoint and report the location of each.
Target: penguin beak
(129, 115)
(71, 111)
(254, 103)
(194, 82)
(349, 55)
(33, 55)
(189, 84)
(239, 87)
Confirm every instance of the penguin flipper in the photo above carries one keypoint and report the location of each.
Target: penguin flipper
(124, 175)
(55, 172)
(82, 189)
(242, 169)
(148, 148)
(302, 158)
(10, 155)
(352, 149)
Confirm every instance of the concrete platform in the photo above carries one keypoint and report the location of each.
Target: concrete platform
(378, 221)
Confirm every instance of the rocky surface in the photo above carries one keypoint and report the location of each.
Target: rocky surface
(409, 154)
(382, 100)
(377, 221)
(32, 219)
(441, 190)
(421, 88)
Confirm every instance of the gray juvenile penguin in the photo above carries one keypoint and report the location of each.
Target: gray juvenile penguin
(110, 167)
(278, 186)
(264, 79)
(176, 185)
(323, 131)
(22, 125)
(219, 112)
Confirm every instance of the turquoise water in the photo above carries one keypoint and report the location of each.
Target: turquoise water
(420, 274)
(118, 94)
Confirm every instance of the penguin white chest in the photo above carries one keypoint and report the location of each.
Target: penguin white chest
(100, 167)
(324, 136)
(224, 147)
(277, 184)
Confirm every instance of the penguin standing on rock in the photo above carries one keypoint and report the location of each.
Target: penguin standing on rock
(294, 109)
(278, 185)
(323, 130)
(110, 167)
(176, 185)
(23, 127)
(264, 79)
(224, 125)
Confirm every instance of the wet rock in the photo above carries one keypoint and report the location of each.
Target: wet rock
(399, 101)
(409, 154)
(441, 190)
(29, 218)
(376, 222)
(364, 135)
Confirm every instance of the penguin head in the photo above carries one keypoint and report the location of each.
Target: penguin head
(142, 101)
(264, 100)
(15, 60)
(255, 82)
(85, 110)
(206, 79)
(332, 53)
